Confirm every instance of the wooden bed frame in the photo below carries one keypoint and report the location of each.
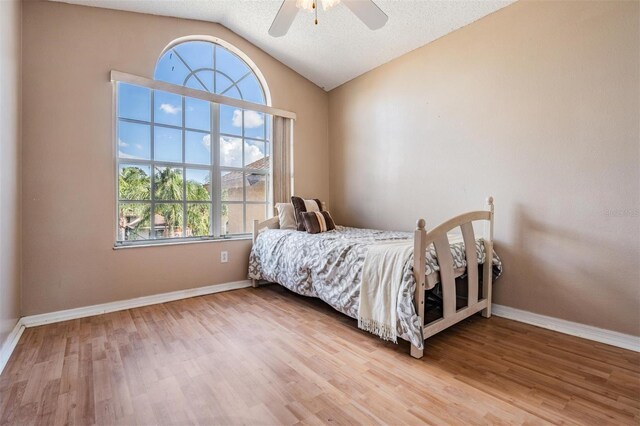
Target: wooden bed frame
(447, 275)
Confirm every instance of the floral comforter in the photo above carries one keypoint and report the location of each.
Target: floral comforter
(329, 266)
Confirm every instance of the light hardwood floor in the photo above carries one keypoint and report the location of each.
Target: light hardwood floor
(267, 356)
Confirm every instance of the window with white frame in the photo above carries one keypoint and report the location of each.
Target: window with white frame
(190, 168)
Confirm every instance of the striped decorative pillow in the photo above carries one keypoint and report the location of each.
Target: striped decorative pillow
(300, 206)
(316, 222)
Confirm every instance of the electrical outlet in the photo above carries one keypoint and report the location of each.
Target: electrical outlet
(224, 256)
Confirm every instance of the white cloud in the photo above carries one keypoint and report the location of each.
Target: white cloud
(138, 146)
(170, 109)
(122, 143)
(231, 151)
(206, 141)
(252, 153)
(125, 155)
(252, 119)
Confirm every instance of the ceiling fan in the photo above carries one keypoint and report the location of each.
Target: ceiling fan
(366, 10)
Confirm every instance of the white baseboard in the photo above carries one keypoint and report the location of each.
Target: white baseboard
(103, 308)
(10, 344)
(601, 335)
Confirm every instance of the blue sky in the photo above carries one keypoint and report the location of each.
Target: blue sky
(134, 102)
(199, 56)
(134, 139)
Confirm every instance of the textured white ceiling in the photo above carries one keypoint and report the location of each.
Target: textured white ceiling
(340, 47)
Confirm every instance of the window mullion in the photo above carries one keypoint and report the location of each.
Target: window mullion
(216, 208)
(235, 84)
(152, 214)
(268, 136)
(184, 173)
(204, 87)
(244, 181)
(215, 69)
(216, 179)
(115, 124)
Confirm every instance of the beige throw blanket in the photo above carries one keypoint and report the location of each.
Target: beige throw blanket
(381, 279)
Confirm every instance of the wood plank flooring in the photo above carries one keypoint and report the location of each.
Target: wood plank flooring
(268, 356)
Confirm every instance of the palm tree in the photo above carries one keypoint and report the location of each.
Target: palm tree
(135, 185)
(198, 215)
(168, 186)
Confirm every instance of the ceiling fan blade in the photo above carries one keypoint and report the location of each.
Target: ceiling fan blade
(284, 18)
(368, 12)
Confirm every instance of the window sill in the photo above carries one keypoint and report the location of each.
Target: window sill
(164, 243)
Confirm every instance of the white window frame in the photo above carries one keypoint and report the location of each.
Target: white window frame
(218, 42)
(215, 168)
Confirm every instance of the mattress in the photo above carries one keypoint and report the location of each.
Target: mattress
(329, 266)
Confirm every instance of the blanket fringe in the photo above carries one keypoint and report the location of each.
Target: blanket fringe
(384, 331)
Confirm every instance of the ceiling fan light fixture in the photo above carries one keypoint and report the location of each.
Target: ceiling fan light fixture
(328, 4)
(305, 4)
(366, 10)
(311, 4)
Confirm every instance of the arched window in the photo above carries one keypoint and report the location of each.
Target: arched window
(208, 66)
(193, 166)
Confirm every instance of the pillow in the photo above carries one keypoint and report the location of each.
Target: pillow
(286, 216)
(316, 222)
(313, 205)
(301, 206)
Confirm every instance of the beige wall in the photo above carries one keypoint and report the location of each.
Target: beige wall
(68, 178)
(537, 104)
(9, 166)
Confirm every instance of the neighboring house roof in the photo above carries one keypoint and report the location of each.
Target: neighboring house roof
(234, 179)
(159, 220)
(261, 164)
(131, 224)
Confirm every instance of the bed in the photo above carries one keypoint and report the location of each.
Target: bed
(329, 266)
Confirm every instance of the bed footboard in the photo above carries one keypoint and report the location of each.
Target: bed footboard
(438, 237)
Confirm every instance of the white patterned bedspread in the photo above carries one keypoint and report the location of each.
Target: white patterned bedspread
(329, 266)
